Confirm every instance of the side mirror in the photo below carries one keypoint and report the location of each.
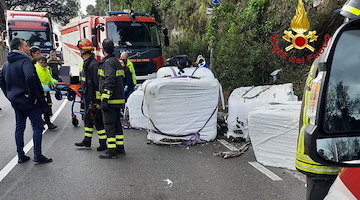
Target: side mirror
(93, 31)
(333, 134)
(94, 40)
(56, 38)
(165, 31)
(166, 41)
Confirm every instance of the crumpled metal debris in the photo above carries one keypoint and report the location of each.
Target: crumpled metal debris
(232, 154)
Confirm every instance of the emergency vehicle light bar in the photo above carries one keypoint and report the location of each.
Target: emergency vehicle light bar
(115, 13)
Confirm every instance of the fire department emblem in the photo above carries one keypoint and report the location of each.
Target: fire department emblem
(300, 25)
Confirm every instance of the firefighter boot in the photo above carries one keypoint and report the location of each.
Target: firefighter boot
(109, 154)
(86, 142)
(102, 146)
(50, 125)
(121, 150)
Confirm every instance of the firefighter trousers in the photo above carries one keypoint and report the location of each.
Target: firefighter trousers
(93, 117)
(114, 132)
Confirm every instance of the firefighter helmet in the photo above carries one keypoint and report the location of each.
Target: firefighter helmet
(85, 45)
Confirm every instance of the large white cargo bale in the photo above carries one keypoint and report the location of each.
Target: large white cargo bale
(134, 102)
(273, 131)
(172, 71)
(245, 99)
(181, 109)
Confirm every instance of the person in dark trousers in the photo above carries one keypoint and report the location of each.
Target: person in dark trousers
(128, 81)
(19, 82)
(90, 91)
(54, 65)
(112, 100)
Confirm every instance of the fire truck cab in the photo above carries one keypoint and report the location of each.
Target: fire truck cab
(132, 32)
(35, 27)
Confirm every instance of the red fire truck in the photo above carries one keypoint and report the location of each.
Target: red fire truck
(133, 32)
(35, 27)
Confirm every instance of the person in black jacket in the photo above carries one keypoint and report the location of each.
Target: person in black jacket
(20, 84)
(128, 81)
(90, 91)
(54, 65)
(112, 100)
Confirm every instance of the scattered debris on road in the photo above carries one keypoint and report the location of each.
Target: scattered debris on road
(232, 154)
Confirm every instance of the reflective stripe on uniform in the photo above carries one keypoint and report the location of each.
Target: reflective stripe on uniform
(88, 134)
(101, 72)
(89, 129)
(105, 96)
(101, 131)
(350, 9)
(83, 79)
(102, 137)
(116, 101)
(111, 143)
(119, 142)
(119, 136)
(120, 72)
(98, 95)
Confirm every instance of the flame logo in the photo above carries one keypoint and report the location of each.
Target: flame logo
(300, 24)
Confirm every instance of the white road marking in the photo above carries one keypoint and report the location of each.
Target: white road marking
(265, 171)
(227, 145)
(7, 169)
(297, 175)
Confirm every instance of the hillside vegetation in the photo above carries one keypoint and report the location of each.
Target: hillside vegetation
(237, 35)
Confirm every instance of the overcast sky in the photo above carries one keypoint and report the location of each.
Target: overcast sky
(85, 3)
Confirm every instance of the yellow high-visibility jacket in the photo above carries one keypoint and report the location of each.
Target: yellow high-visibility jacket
(131, 67)
(45, 75)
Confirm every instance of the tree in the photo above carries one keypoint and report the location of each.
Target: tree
(61, 10)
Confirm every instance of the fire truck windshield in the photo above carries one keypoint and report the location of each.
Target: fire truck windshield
(139, 34)
(34, 38)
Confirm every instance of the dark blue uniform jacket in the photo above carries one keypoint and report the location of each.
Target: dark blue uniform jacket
(20, 83)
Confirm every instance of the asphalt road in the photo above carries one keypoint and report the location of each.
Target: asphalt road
(192, 172)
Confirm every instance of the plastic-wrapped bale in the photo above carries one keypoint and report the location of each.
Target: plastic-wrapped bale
(172, 71)
(273, 131)
(181, 110)
(245, 99)
(134, 102)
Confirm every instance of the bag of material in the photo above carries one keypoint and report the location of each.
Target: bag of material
(134, 103)
(181, 109)
(273, 131)
(245, 99)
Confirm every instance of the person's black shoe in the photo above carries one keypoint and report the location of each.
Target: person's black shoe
(120, 150)
(42, 159)
(109, 154)
(101, 148)
(23, 159)
(84, 143)
(51, 126)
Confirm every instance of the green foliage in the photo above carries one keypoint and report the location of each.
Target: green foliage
(61, 10)
(238, 33)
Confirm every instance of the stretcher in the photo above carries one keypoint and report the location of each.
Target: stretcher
(73, 93)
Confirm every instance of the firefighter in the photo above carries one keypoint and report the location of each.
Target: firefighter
(112, 100)
(124, 56)
(319, 177)
(47, 82)
(90, 90)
